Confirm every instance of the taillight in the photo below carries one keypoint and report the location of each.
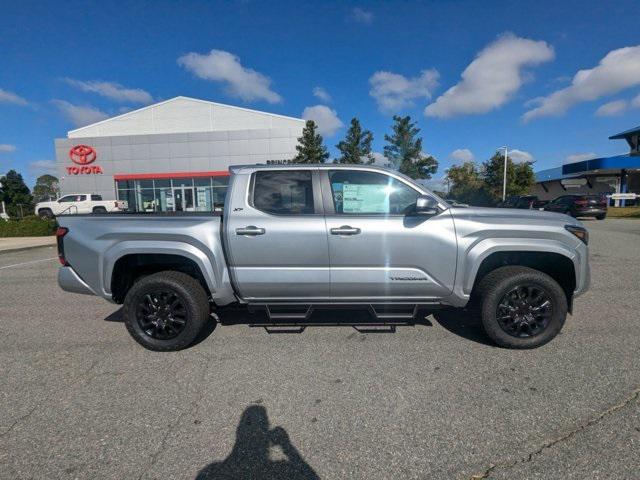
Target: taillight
(60, 233)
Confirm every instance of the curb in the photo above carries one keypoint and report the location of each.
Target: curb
(22, 249)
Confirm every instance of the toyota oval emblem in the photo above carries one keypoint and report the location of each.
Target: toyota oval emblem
(82, 154)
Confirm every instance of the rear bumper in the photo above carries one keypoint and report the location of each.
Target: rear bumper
(69, 281)
(590, 212)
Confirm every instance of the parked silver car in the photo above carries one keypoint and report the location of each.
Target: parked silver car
(296, 237)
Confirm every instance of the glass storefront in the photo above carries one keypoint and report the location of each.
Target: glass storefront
(199, 194)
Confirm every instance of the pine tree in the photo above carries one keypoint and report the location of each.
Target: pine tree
(310, 147)
(404, 151)
(356, 146)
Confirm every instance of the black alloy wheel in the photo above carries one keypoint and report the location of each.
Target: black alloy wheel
(525, 311)
(166, 311)
(161, 315)
(521, 307)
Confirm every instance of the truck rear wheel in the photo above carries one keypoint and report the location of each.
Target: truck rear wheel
(166, 311)
(45, 213)
(521, 307)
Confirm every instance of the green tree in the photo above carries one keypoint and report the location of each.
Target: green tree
(47, 186)
(404, 150)
(16, 195)
(356, 146)
(520, 177)
(310, 147)
(466, 184)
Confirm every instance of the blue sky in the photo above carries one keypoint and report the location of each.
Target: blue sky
(512, 67)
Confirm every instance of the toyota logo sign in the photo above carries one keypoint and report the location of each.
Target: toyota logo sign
(82, 154)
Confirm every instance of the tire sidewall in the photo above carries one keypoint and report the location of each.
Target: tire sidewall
(492, 298)
(195, 316)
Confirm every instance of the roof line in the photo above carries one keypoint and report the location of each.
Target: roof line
(208, 102)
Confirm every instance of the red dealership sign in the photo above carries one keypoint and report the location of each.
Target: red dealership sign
(83, 155)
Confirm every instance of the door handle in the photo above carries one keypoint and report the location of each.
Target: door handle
(345, 230)
(250, 230)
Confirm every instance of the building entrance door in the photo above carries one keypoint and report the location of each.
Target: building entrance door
(183, 199)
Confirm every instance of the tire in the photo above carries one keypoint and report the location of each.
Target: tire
(601, 217)
(45, 213)
(175, 301)
(529, 324)
(99, 210)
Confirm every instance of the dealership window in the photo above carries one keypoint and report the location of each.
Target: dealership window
(199, 194)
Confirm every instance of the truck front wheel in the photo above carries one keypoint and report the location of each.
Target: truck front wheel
(166, 311)
(521, 307)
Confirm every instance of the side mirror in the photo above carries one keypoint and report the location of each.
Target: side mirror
(426, 205)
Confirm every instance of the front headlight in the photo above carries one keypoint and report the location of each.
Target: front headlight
(579, 232)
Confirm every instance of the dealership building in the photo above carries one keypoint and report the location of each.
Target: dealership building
(173, 155)
(619, 174)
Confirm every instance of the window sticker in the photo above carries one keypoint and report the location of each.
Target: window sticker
(365, 199)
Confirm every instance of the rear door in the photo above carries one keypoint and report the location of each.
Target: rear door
(378, 248)
(277, 238)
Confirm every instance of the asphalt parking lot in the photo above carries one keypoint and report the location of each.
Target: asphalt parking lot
(80, 399)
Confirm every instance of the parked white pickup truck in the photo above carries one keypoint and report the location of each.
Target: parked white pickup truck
(79, 203)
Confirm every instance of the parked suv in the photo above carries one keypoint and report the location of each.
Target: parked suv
(580, 206)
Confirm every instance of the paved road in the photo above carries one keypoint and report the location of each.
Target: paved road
(79, 399)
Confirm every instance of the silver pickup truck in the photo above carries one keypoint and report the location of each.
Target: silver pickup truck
(294, 238)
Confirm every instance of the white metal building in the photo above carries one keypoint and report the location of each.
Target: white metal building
(173, 155)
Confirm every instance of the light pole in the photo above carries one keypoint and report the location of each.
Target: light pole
(504, 178)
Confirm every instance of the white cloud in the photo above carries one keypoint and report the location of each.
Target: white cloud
(322, 94)
(394, 92)
(617, 71)
(462, 155)
(520, 156)
(611, 109)
(224, 67)
(361, 15)
(635, 103)
(379, 159)
(492, 78)
(112, 90)
(40, 167)
(326, 119)
(579, 157)
(10, 97)
(6, 148)
(80, 115)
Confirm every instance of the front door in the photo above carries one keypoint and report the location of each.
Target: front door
(183, 199)
(379, 249)
(276, 236)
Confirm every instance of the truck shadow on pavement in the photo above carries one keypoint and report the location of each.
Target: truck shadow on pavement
(251, 455)
(463, 324)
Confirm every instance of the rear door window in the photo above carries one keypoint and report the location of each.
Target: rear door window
(284, 192)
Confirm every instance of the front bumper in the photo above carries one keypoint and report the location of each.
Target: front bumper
(69, 281)
(583, 273)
